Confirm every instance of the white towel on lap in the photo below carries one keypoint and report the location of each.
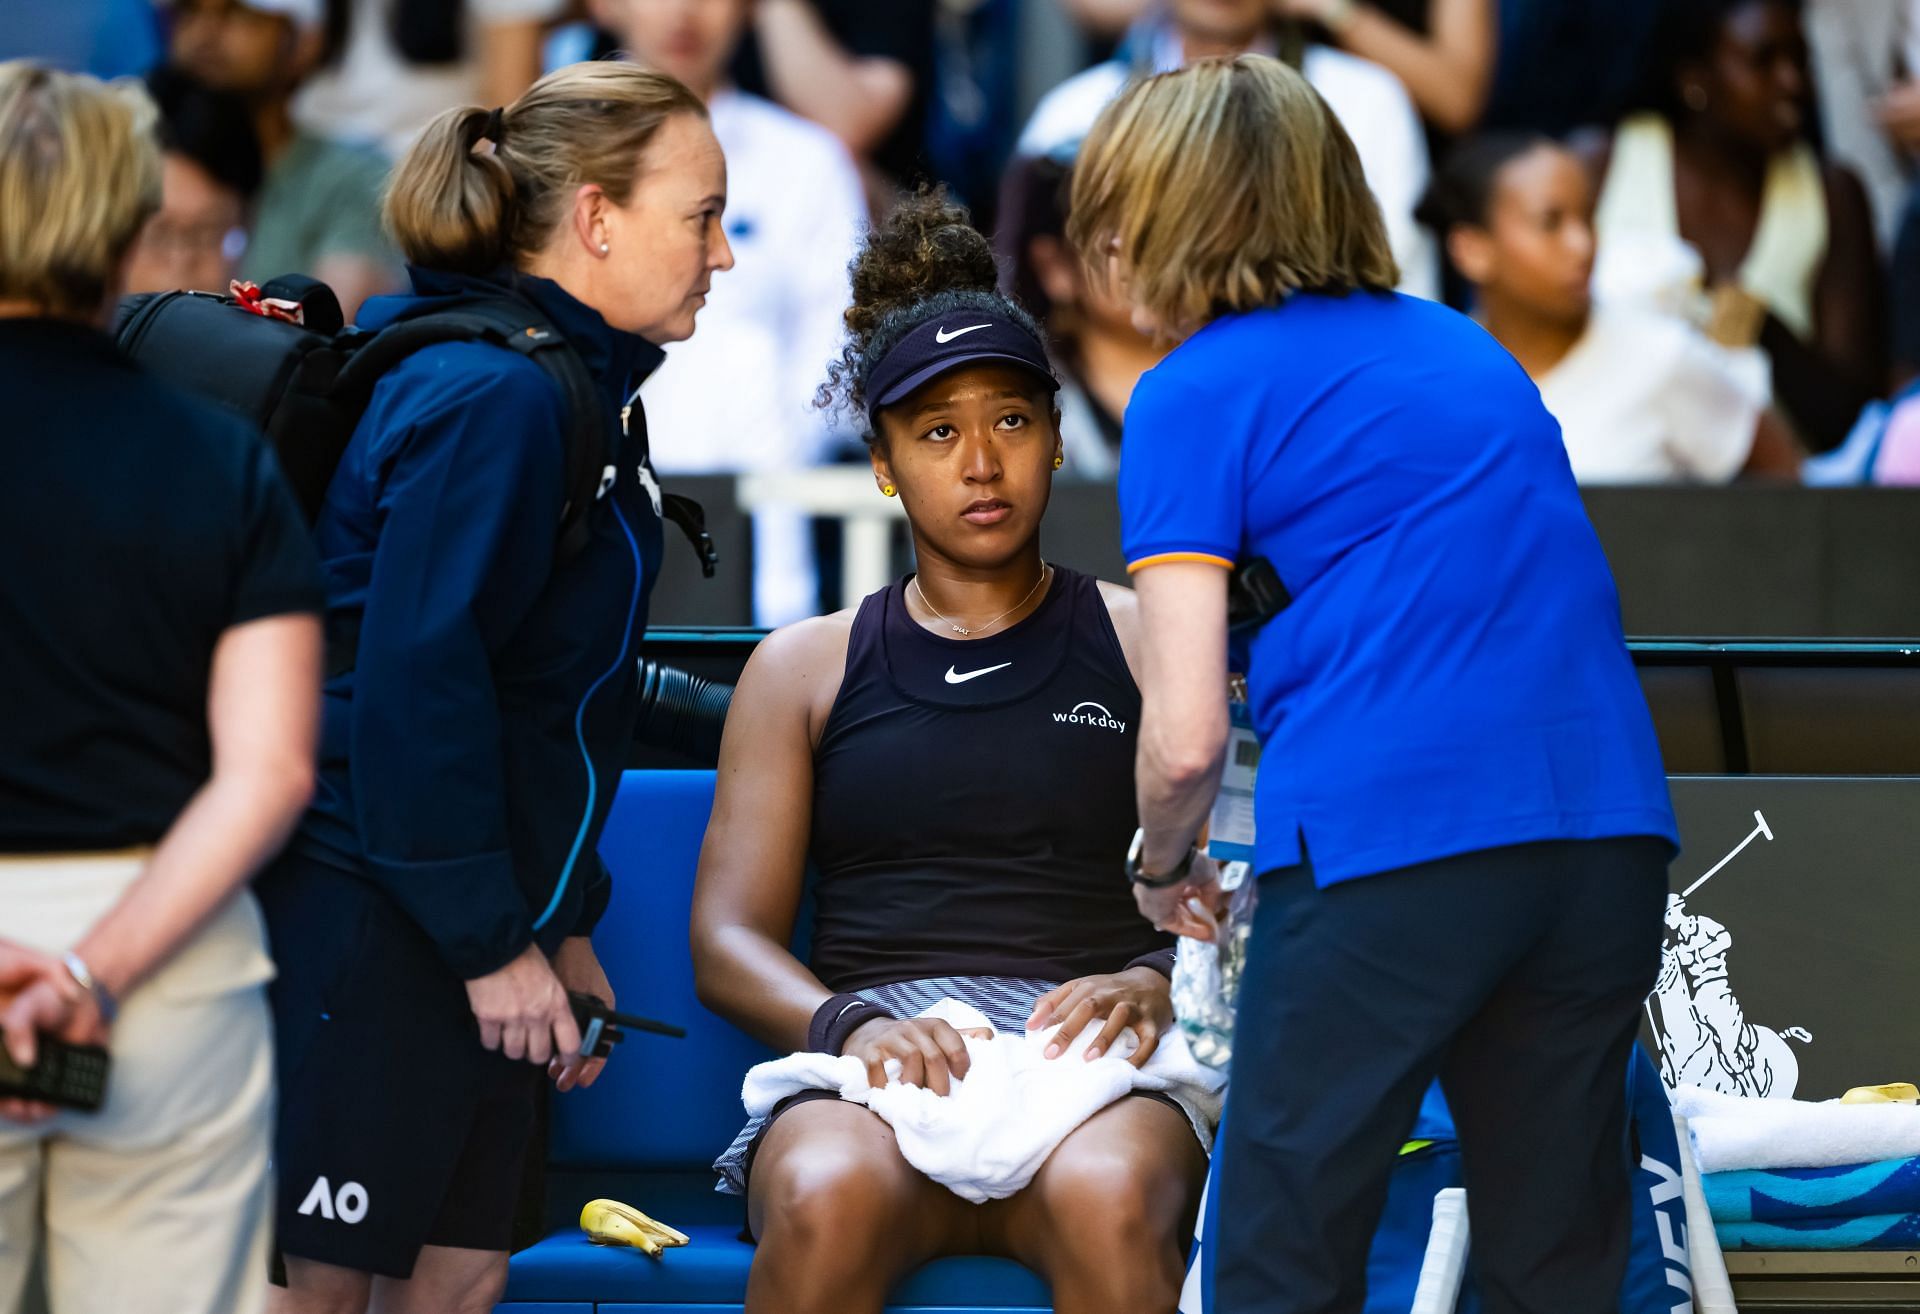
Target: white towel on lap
(987, 1138)
(1734, 1132)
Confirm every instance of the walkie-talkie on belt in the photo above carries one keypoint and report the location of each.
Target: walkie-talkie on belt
(600, 1026)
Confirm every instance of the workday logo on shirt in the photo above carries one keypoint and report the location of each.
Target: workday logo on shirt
(1092, 714)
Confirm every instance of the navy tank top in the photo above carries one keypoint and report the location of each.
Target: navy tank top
(973, 799)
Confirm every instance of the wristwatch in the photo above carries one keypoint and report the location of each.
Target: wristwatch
(1149, 879)
(83, 977)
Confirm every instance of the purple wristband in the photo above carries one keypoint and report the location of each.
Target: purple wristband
(837, 1019)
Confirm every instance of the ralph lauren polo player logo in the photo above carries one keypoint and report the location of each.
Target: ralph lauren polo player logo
(1092, 714)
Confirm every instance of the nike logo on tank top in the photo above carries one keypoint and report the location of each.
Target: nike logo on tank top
(955, 677)
(973, 799)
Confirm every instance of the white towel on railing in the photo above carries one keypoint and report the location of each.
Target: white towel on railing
(987, 1138)
(1733, 1132)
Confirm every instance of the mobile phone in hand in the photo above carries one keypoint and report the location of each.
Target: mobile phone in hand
(70, 1076)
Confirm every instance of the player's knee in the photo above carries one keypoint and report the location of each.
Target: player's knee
(831, 1196)
(1102, 1205)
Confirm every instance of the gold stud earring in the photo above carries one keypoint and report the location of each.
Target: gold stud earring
(887, 490)
(1058, 461)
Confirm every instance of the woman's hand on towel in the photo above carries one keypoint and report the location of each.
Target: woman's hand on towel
(930, 1052)
(1139, 997)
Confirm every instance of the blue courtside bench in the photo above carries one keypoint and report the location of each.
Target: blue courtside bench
(664, 1109)
(649, 1129)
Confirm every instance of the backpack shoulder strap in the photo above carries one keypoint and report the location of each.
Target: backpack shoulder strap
(515, 325)
(684, 512)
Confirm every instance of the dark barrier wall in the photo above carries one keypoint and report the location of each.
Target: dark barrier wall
(1733, 562)
(1807, 708)
(1730, 562)
(1833, 563)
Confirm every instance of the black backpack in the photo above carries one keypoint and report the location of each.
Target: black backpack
(305, 385)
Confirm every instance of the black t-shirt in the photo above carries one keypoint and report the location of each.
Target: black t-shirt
(900, 30)
(136, 525)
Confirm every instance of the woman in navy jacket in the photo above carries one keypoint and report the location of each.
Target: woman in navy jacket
(434, 909)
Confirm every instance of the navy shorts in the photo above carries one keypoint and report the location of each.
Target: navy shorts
(397, 1129)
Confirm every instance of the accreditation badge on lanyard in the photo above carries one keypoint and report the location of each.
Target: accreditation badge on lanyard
(1230, 827)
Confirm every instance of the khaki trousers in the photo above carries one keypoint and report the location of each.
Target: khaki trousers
(161, 1203)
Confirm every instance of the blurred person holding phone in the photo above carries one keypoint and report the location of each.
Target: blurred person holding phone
(1462, 823)
(159, 686)
(433, 912)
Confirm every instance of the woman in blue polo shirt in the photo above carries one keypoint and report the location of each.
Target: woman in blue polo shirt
(1463, 824)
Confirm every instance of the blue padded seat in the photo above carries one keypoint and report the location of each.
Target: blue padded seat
(649, 1129)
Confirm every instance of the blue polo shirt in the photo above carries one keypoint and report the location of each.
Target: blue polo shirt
(1452, 675)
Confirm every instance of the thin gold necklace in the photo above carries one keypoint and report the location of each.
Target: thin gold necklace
(962, 630)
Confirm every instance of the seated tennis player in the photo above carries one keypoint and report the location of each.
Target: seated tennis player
(954, 757)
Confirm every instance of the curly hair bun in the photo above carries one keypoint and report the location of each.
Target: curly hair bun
(925, 261)
(926, 246)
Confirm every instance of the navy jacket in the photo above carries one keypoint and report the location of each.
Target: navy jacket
(469, 759)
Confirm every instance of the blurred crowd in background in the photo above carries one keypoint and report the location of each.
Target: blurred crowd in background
(1693, 222)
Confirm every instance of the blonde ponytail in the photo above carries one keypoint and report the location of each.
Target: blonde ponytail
(449, 206)
(456, 207)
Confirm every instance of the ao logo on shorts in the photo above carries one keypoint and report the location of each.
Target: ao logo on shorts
(349, 1203)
